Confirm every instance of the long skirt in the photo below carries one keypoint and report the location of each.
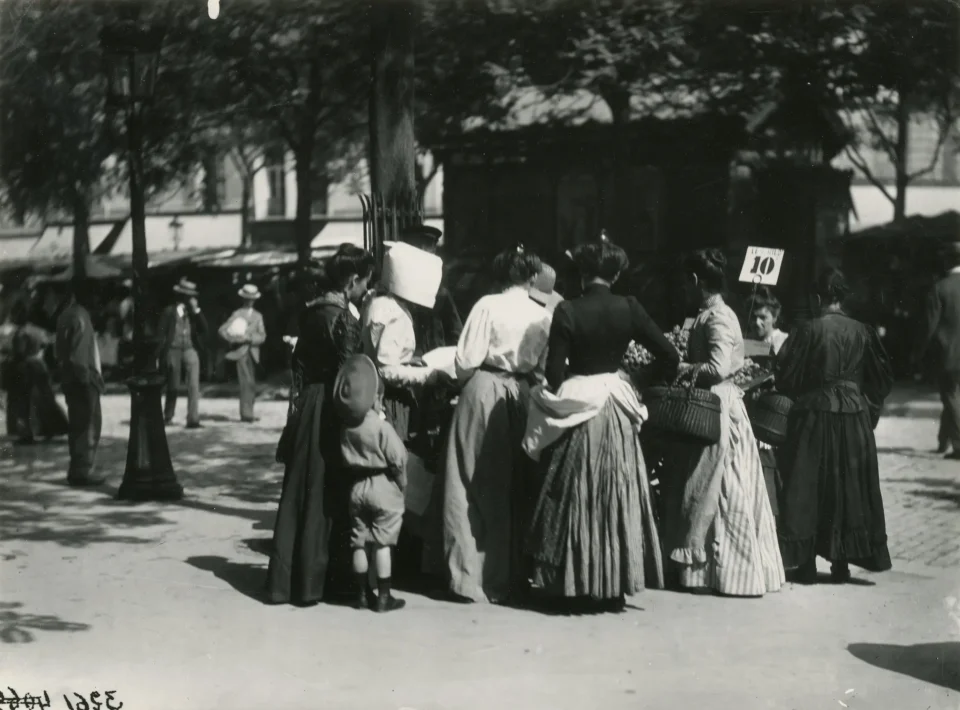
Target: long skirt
(41, 416)
(311, 535)
(594, 525)
(487, 493)
(717, 523)
(831, 504)
(771, 477)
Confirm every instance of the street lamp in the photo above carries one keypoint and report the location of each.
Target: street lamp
(132, 55)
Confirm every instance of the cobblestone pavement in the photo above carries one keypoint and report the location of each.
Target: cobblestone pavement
(162, 603)
(921, 490)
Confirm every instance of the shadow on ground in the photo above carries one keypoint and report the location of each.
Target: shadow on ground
(248, 579)
(225, 470)
(18, 627)
(937, 663)
(944, 490)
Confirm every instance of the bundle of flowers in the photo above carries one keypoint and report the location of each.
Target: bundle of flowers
(637, 360)
(750, 374)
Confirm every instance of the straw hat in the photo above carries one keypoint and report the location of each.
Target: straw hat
(412, 274)
(186, 287)
(542, 290)
(249, 292)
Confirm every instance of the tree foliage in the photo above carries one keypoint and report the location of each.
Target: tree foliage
(903, 75)
(294, 70)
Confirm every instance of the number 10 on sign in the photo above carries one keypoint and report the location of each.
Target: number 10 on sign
(762, 266)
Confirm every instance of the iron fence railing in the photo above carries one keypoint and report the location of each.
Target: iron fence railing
(383, 221)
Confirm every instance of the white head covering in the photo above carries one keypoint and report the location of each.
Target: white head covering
(412, 274)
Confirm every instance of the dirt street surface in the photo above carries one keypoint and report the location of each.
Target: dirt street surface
(160, 604)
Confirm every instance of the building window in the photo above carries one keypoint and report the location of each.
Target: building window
(277, 181)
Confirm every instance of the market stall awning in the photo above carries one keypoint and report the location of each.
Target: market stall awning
(942, 227)
(258, 259)
(180, 233)
(56, 242)
(97, 268)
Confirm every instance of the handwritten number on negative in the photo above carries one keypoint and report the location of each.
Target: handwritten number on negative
(94, 703)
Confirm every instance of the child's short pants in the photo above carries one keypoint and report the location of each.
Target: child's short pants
(376, 511)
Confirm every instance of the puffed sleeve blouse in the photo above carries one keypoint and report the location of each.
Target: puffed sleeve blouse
(504, 331)
(389, 339)
(716, 342)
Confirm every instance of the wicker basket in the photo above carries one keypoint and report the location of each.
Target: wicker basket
(684, 410)
(768, 415)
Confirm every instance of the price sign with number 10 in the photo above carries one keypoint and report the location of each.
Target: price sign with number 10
(762, 266)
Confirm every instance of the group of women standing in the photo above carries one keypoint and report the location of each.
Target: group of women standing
(542, 485)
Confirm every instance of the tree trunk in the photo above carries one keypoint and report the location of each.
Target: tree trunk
(618, 100)
(81, 236)
(301, 223)
(392, 147)
(245, 195)
(901, 159)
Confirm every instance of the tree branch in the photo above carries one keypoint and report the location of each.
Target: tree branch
(889, 147)
(935, 157)
(860, 164)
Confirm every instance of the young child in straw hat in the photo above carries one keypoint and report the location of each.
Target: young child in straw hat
(376, 458)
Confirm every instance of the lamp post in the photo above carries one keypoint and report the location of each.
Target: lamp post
(132, 55)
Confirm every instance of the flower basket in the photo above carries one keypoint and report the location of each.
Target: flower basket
(768, 415)
(684, 410)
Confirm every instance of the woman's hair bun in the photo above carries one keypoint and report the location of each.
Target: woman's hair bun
(716, 257)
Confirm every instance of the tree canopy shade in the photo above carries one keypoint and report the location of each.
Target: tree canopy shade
(55, 134)
(908, 65)
(296, 70)
(60, 147)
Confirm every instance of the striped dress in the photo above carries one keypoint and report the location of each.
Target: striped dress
(718, 524)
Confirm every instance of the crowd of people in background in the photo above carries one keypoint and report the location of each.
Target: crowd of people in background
(534, 443)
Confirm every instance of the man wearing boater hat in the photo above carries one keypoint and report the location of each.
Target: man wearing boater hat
(182, 331)
(442, 326)
(941, 333)
(244, 330)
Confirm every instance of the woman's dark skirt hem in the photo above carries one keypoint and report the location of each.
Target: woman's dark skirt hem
(853, 547)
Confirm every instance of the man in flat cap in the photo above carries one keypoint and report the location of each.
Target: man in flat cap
(442, 326)
(941, 335)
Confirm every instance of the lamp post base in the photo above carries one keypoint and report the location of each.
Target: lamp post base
(149, 472)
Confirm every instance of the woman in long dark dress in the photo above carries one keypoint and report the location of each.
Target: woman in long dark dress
(838, 374)
(594, 517)
(38, 413)
(311, 534)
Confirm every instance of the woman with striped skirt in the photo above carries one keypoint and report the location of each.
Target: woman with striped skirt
(594, 527)
(717, 522)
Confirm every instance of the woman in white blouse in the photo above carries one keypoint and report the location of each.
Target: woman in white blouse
(501, 351)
